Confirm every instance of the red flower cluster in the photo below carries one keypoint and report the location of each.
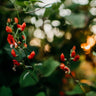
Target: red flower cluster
(73, 54)
(12, 38)
(73, 57)
(62, 65)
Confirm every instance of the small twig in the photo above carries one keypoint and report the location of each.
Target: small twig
(26, 56)
(38, 9)
(78, 82)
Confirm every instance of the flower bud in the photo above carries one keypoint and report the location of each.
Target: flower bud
(76, 58)
(62, 57)
(16, 20)
(8, 20)
(13, 53)
(32, 54)
(73, 53)
(74, 48)
(25, 45)
(15, 62)
(62, 66)
(8, 29)
(23, 37)
(67, 70)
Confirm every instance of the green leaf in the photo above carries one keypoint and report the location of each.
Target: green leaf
(94, 53)
(41, 94)
(92, 93)
(76, 90)
(48, 67)
(28, 78)
(20, 53)
(77, 20)
(36, 1)
(20, 3)
(12, 1)
(26, 3)
(5, 91)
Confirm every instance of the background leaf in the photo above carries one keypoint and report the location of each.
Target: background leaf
(77, 20)
(41, 94)
(76, 90)
(5, 91)
(28, 78)
(48, 67)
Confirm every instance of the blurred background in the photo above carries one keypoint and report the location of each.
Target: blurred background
(53, 27)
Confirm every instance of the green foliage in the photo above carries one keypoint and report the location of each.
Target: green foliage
(41, 94)
(48, 67)
(91, 93)
(20, 55)
(75, 91)
(5, 91)
(76, 20)
(28, 78)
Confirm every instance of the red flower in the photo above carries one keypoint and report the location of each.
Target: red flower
(73, 53)
(8, 29)
(67, 70)
(74, 48)
(19, 26)
(61, 93)
(13, 53)
(19, 42)
(62, 57)
(31, 56)
(67, 76)
(76, 58)
(15, 62)
(25, 45)
(23, 37)
(8, 20)
(10, 39)
(22, 27)
(62, 66)
(73, 73)
(16, 20)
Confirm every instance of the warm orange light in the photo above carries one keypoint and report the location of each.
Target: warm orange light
(90, 41)
(86, 47)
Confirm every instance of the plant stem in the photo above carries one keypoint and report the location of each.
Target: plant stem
(78, 82)
(38, 9)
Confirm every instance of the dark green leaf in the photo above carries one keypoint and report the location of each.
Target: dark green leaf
(28, 78)
(76, 90)
(41, 94)
(91, 93)
(48, 67)
(26, 3)
(5, 91)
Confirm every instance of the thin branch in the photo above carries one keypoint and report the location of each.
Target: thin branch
(38, 9)
(78, 82)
